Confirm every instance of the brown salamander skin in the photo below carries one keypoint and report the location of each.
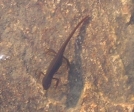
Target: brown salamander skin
(57, 60)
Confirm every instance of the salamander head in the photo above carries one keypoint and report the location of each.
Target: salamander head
(46, 83)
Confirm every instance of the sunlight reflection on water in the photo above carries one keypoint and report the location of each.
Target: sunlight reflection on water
(3, 57)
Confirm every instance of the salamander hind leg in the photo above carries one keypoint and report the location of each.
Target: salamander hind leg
(51, 52)
(67, 61)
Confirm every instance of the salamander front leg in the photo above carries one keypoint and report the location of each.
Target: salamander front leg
(39, 74)
(57, 82)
